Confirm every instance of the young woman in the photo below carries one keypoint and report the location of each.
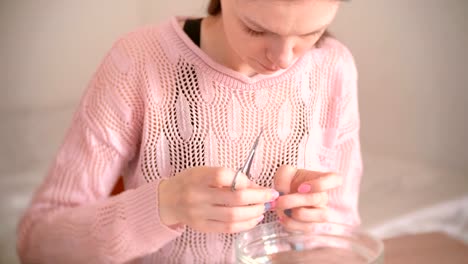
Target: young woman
(174, 110)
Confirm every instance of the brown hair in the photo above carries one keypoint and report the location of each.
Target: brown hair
(214, 9)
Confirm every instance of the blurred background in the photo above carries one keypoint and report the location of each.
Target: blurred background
(413, 66)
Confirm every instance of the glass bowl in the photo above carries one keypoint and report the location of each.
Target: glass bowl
(325, 243)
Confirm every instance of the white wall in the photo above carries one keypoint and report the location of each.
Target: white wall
(413, 63)
(51, 49)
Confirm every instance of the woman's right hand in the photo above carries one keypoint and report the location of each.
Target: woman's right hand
(201, 198)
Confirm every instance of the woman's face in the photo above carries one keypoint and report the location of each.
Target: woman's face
(269, 35)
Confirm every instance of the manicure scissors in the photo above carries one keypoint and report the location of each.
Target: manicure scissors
(245, 169)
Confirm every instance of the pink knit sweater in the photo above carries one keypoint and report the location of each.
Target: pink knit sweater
(158, 105)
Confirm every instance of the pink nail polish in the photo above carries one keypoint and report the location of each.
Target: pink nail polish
(272, 205)
(304, 188)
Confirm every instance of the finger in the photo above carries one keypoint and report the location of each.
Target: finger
(294, 200)
(242, 197)
(212, 226)
(283, 178)
(306, 214)
(292, 224)
(223, 177)
(321, 184)
(303, 176)
(235, 214)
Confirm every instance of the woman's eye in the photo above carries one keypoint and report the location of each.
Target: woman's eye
(313, 35)
(253, 32)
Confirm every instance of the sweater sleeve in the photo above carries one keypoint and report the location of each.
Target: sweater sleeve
(71, 218)
(343, 201)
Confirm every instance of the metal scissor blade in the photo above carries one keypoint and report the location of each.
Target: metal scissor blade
(248, 162)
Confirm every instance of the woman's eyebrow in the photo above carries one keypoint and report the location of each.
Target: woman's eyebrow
(256, 26)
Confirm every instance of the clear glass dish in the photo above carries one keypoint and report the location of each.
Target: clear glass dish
(325, 243)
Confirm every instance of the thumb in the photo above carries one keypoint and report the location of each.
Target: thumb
(283, 178)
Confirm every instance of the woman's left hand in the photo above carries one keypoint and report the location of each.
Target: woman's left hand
(305, 196)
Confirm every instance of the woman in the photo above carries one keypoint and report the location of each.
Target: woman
(175, 108)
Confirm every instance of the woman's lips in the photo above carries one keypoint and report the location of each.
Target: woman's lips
(268, 68)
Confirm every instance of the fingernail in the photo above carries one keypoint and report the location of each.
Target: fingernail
(260, 218)
(273, 205)
(288, 212)
(280, 219)
(274, 194)
(298, 246)
(304, 188)
(270, 206)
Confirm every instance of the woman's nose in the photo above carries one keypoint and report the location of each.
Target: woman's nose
(281, 53)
